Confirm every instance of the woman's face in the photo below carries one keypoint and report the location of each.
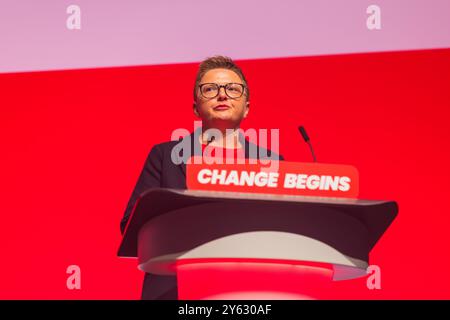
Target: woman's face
(221, 111)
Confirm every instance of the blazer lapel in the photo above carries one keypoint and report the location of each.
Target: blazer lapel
(184, 158)
(183, 168)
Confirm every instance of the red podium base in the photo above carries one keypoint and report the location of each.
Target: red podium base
(252, 279)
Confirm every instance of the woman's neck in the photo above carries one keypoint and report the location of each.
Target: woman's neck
(229, 138)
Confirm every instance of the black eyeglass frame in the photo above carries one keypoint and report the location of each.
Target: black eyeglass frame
(224, 86)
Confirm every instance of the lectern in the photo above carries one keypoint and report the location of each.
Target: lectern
(229, 245)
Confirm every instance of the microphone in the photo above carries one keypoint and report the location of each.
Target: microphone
(306, 138)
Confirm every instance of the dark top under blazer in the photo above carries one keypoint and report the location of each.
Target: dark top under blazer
(160, 172)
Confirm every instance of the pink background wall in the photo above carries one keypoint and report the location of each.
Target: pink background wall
(33, 34)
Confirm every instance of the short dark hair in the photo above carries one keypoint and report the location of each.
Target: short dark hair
(219, 62)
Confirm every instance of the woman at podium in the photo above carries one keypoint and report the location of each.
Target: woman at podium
(221, 101)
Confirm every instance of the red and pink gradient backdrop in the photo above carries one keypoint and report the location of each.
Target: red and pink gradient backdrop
(73, 143)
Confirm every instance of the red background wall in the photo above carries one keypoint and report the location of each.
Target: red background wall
(73, 143)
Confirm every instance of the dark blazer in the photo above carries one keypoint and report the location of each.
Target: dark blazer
(161, 172)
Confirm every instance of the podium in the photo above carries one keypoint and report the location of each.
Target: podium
(227, 245)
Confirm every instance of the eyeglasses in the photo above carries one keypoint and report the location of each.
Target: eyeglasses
(232, 90)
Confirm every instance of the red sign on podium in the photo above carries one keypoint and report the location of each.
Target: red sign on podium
(290, 178)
